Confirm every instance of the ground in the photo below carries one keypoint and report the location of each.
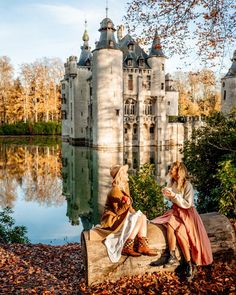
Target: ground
(44, 269)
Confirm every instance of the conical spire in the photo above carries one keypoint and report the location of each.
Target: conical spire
(86, 55)
(156, 49)
(85, 37)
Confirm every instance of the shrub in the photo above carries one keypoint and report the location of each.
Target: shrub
(146, 192)
(10, 233)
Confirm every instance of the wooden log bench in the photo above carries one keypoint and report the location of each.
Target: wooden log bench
(98, 266)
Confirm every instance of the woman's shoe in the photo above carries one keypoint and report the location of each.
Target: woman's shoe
(172, 261)
(190, 271)
(143, 247)
(128, 249)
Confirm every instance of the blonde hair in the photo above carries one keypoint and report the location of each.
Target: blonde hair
(182, 175)
(121, 181)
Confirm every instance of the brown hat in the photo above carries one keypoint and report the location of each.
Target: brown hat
(118, 168)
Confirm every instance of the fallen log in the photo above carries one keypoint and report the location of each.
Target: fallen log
(98, 266)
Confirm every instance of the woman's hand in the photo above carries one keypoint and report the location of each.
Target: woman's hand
(126, 199)
(168, 193)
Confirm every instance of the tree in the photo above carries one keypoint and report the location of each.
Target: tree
(209, 25)
(6, 81)
(146, 193)
(9, 233)
(210, 156)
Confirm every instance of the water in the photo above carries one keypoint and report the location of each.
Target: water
(56, 190)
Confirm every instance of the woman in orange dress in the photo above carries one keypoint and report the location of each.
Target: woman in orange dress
(121, 222)
(183, 223)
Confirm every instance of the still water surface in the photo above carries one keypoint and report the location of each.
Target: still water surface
(56, 190)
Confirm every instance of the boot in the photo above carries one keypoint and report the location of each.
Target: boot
(143, 247)
(190, 269)
(128, 249)
(172, 261)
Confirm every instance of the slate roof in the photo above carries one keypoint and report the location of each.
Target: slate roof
(232, 70)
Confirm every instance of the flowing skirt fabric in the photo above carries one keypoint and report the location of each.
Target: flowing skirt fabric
(114, 242)
(189, 229)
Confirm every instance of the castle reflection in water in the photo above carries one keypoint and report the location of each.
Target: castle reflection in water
(86, 179)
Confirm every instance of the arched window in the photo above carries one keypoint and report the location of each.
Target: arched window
(148, 108)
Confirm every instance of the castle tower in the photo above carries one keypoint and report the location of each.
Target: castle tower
(156, 60)
(107, 83)
(228, 88)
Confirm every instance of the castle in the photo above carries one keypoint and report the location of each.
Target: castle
(118, 95)
(228, 88)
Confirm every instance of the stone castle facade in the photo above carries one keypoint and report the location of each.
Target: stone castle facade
(228, 88)
(118, 95)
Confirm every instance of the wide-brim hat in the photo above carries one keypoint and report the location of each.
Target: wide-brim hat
(118, 169)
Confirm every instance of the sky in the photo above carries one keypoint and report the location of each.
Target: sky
(33, 29)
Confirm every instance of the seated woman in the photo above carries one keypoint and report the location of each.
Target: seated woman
(121, 222)
(183, 223)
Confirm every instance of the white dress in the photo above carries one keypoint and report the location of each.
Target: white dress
(114, 242)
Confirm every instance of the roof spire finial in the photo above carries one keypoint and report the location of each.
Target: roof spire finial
(85, 24)
(106, 8)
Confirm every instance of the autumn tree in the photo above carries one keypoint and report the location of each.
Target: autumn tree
(41, 81)
(6, 82)
(198, 93)
(208, 25)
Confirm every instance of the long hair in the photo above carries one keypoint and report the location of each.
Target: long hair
(182, 175)
(121, 182)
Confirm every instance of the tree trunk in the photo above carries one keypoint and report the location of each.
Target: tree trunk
(98, 266)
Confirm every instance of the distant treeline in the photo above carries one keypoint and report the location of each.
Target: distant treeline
(29, 128)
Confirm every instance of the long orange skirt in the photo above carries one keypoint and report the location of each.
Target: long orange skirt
(189, 229)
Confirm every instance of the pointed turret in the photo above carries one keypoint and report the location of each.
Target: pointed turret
(156, 49)
(107, 38)
(86, 55)
(228, 88)
(232, 70)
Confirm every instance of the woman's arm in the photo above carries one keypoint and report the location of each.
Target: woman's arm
(183, 200)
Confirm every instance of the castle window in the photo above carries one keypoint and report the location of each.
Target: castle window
(126, 109)
(71, 112)
(81, 114)
(135, 130)
(129, 62)
(162, 67)
(117, 112)
(63, 86)
(132, 108)
(111, 43)
(131, 47)
(151, 130)
(141, 62)
(162, 86)
(130, 82)
(82, 130)
(126, 130)
(148, 82)
(168, 103)
(64, 115)
(224, 94)
(223, 84)
(148, 108)
(87, 63)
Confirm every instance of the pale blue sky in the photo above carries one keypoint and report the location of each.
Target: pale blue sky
(32, 29)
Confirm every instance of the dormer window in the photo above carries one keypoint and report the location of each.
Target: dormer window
(141, 62)
(131, 47)
(129, 62)
(87, 63)
(111, 43)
